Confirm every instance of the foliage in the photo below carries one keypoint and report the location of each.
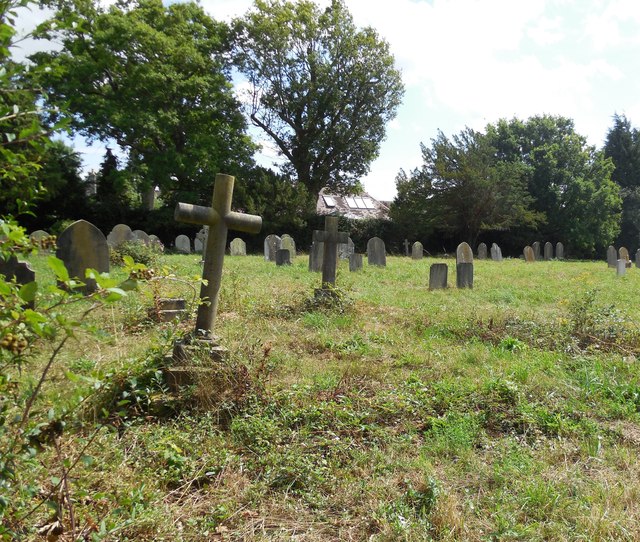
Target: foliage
(321, 89)
(622, 146)
(146, 254)
(155, 80)
(463, 189)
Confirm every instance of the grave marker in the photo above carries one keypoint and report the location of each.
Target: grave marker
(330, 237)
(496, 253)
(121, 233)
(287, 242)
(548, 251)
(438, 276)
(345, 250)
(621, 267)
(406, 247)
(272, 244)
(417, 251)
(536, 251)
(464, 254)
(283, 256)
(638, 258)
(18, 271)
(482, 251)
(238, 247)
(559, 251)
(141, 236)
(529, 255)
(376, 253)
(464, 275)
(183, 244)
(355, 262)
(612, 256)
(623, 254)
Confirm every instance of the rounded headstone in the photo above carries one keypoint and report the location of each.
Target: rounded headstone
(482, 251)
(272, 243)
(464, 254)
(183, 244)
(121, 233)
(417, 251)
(286, 241)
(376, 253)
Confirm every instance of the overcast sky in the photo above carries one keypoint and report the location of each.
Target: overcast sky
(472, 62)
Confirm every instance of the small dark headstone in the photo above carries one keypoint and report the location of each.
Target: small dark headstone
(438, 276)
(283, 256)
(548, 251)
(536, 251)
(612, 256)
(21, 272)
(376, 253)
(316, 256)
(559, 251)
(464, 275)
(355, 262)
(482, 251)
(529, 255)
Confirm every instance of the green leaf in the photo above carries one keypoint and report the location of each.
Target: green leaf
(28, 291)
(57, 266)
(129, 285)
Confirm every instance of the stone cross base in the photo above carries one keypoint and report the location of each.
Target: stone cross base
(181, 370)
(328, 294)
(167, 310)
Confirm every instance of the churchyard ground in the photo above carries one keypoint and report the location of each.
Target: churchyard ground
(510, 411)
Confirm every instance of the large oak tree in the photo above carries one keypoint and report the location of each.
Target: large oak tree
(321, 89)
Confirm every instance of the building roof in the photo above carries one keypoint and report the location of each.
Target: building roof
(350, 206)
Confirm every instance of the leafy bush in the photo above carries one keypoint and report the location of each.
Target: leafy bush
(140, 252)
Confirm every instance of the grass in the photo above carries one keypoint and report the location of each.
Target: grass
(506, 412)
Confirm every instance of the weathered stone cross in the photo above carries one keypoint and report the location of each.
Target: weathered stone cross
(331, 237)
(220, 218)
(406, 247)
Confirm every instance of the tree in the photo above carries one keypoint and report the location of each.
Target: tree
(569, 180)
(622, 145)
(462, 189)
(155, 79)
(322, 90)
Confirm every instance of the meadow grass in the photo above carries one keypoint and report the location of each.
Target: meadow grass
(509, 411)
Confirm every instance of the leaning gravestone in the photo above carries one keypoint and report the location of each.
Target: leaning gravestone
(315, 256)
(82, 246)
(548, 251)
(496, 253)
(536, 251)
(529, 255)
(121, 233)
(355, 262)
(417, 251)
(376, 254)
(482, 251)
(612, 256)
(345, 250)
(287, 242)
(438, 276)
(464, 275)
(559, 251)
(272, 244)
(621, 267)
(141, 236)
(464, 254)
(183, 244)
(238, 247)
(283, 256)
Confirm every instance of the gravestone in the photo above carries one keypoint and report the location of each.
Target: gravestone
(330, 238)
(198, 246)
(529, 255)
(548, 251)
(315, 256)
(612, 256)
(168, 309)
(638, 258)
(121, 233)
(272, 244)
(464, 275)
(287, 242)
(623, 254)
(438, 276)
(283, 256)
(376, 254)
(496, 253)
(417, 251)
(621, 267)
(183, 244)
(141, 236)
(406, 247)
(345, 250)
(559, 251)
(18, 271)
(238, 247)
(201, 240)
(482, 251)
(355, 262)
(464, 254)
(82, 246)
(38, 236)
(156, 243)
(536, 251)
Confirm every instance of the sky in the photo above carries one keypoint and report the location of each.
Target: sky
(473, 62)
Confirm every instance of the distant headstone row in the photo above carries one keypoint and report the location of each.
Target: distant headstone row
(532, 253)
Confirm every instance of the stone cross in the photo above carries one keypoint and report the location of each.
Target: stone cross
(220, 218)
(406, 247)
(331, 237)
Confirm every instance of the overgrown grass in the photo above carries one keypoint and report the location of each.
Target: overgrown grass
(506, 412)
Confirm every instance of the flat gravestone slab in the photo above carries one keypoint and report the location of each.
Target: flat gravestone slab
(612, 256)
(464, 275)
(548, 251)
(272, 243)
(288, 242)
(82, 246)
(482, 251)
(376, 253)
(183, 244)
(141, 236)
(238, 247)
(536, 251)
(355, 262)
(121, 233)
(529, 255)
(464, 254)
(316, 256)
(417, 251)
(345, 250)
(559, 251)
(496, 253)
(438, 276)
(283, 256)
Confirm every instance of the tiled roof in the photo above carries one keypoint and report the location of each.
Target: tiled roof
(349, 206)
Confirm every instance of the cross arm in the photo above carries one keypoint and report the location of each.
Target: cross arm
(243, 222)
(196, 214)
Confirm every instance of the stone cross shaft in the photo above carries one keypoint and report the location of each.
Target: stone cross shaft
(331, 237)
(406, 247)
(220, 218)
